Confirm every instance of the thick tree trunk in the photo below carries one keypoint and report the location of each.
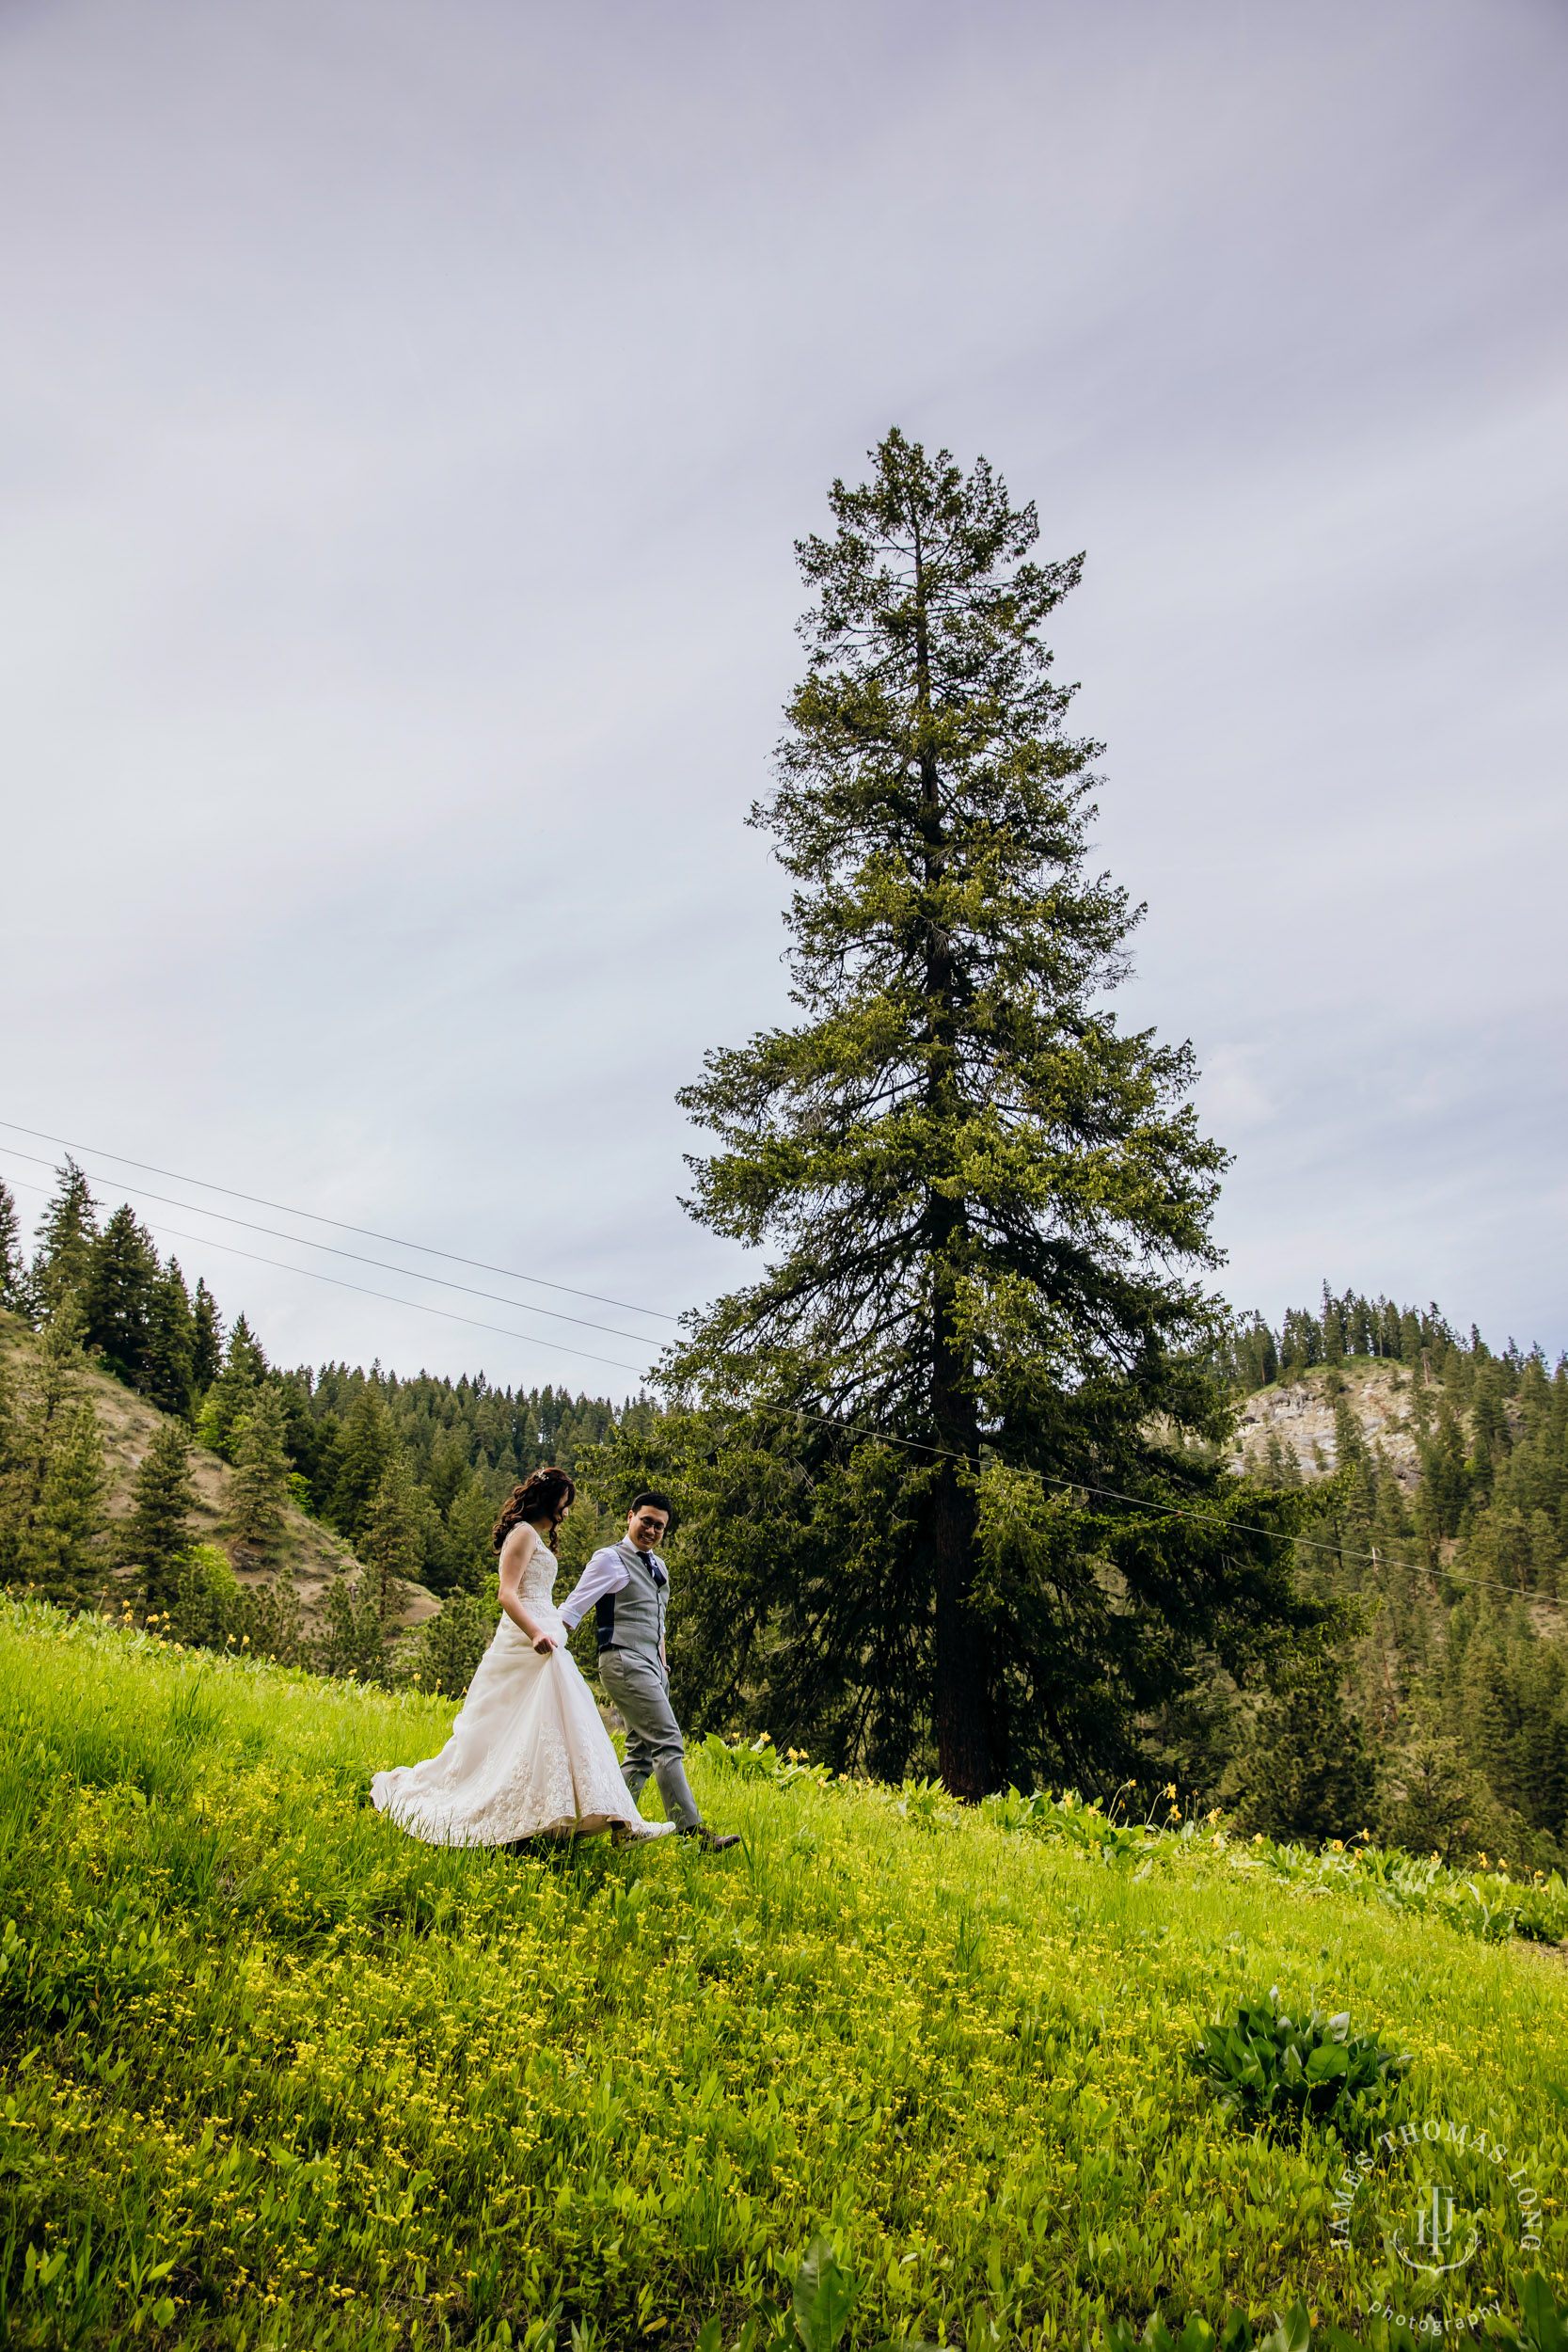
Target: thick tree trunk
(961, 1698)
(962, 1695)
(963, 1746)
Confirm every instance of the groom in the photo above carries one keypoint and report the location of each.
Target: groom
(627, 1587)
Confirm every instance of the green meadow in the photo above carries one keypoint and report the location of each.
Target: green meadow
(275, 2075)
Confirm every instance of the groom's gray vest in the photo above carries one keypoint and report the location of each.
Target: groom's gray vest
(633, 1618)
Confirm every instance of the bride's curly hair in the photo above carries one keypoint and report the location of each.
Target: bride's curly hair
(543, 1494)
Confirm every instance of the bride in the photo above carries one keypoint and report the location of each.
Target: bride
(529, 1756)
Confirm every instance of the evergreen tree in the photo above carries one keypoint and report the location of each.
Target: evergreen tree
(232, 1396)
(391, 1542)
(260, 1492)
(122, 1272)
(445, 1473)
(62, 1551)
(1545, 1553)
(169, 1351)
(15, 1288)
(1308, 1775)
(206, 1599)
(48, 1425)
(15, 1482)
(470, 1556)
(451, 1645)
(1258, 1357)
(1428, 1802)
(1486, 1715)
(365, 1449)
(1348, 1447)
(1445, 1483)
(157, 1534)
(994, 1208)
(353, 1643)
(1331, 1319)
(270, 1621)
(65, 1239)
(206, 1339)
(57, 1483)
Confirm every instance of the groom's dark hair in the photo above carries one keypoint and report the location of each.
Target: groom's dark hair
(651, 1494)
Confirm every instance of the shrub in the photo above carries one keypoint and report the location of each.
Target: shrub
(445, 1652)
(1272, 2067)
(354, 1643)
(207, 1598)
(270, 1614)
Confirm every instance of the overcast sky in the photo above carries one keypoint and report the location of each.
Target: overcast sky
(406, 414)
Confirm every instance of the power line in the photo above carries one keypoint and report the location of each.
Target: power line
(1137, 1503)
(418, 1306)
(301, 1241)
(878, 1436)
(479, 1265)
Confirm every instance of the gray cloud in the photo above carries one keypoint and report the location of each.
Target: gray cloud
(405, 420)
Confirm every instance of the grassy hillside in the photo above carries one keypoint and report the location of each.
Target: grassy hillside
(275, 2074)
(310, 1551)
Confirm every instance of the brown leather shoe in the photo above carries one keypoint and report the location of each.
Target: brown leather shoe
(710, 1838)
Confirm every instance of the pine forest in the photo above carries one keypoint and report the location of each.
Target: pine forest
(1431, 1709)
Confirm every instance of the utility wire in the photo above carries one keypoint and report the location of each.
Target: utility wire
(843, 1429)
(479, 1265)
(301, 1241)
(1137, 1503)
(418, 1306)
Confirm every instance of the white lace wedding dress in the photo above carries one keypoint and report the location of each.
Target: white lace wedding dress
(529, 1756)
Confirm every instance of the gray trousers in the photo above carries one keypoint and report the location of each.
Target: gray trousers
(637, 1687)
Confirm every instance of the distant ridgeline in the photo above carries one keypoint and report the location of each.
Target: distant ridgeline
(1351, 1326)
(1474, 1453)
(1443, 1471)
(1438, 1471)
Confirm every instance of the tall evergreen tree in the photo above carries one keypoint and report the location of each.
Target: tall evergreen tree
(1308, 1774)
(65, 1239)
(56, 1389)
(15, 1482)
(366, 1447)
(157, 1534)
(391, 1542)
(233, 1392)
(992, 1207)
(206, 1339)
(62, 1550)
(123, 1274)
(1429, 1799)
(169, 1350)
(15, 1289)
(258, 1495)
(57, 1483)
(470, 1553)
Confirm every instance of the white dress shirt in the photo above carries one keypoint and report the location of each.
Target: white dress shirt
(607, 1572)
